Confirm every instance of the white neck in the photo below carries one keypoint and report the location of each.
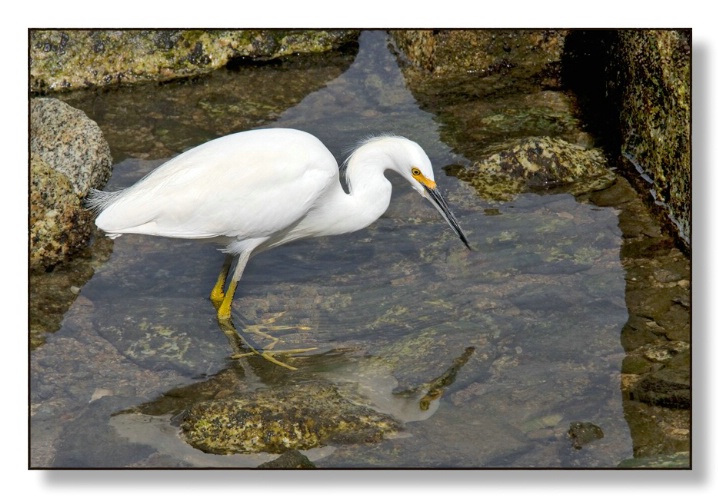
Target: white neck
(369, 190)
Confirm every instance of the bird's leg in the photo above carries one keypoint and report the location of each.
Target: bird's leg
(224, 312)
(217, 294)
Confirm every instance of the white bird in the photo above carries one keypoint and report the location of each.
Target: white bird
(255, 190)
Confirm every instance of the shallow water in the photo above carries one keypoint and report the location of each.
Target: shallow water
(540, 299)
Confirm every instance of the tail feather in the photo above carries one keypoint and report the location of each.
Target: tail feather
(97, 200)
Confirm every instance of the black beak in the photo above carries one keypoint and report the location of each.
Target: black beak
(438, 201)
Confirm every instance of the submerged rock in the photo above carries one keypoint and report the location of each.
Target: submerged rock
(582, 433)
(290, 459)
(295, 417)
(536, 163)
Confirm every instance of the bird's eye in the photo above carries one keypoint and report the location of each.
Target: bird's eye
(415, 171)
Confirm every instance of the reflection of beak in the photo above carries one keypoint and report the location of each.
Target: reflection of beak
(438, 201)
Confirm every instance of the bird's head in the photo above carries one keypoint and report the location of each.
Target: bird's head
(410, 161)
(414, 165)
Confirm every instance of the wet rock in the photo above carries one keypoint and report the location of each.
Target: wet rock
(656, 115)
(51, 293)
(482, 52)
(275, 421)
(664, 351)
(656, 396)
(536, 163)
(582, 433)
(487, 86)
(147, 337)
(635, 88)
(71, 59)
(428, 360)
(635, 365)
(657, 430)
(226, 383)
(670, 390)
(668, 386)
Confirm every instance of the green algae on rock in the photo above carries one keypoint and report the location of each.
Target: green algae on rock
(528, 52)
(635, 89)
(71, 59)
(300, 417)
(655, 115)
(536, 164)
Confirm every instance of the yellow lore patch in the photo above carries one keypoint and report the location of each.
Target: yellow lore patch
(419, 176)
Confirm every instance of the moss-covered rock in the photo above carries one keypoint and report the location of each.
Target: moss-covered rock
(635, 93)
(300, 417)
(70, 59)
(670, 386)
(655, 115)
(536, 163)
(482, 52)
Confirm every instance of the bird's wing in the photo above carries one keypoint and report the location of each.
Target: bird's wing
(244, 185)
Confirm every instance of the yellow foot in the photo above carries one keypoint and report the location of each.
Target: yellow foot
(224, 314)
(224, 308)
(216, 296)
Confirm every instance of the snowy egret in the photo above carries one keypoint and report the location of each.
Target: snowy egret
(255, 190)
